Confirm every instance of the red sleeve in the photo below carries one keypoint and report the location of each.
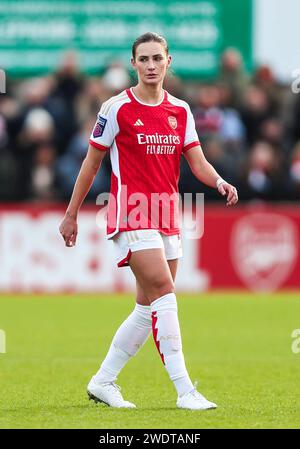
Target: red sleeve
(191, 145)
(98, 146)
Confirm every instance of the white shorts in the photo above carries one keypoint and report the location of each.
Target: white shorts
(127, 242)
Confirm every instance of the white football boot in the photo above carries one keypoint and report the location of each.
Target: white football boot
(108, 393)
(194, 401)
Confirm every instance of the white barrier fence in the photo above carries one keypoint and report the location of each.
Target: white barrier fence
(33, 257)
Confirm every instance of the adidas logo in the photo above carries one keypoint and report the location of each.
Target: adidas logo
(139, 123)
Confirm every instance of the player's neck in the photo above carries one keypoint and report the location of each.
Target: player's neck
(148, 94)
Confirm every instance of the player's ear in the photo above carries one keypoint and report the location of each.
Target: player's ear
(133, 63)
(169, 60)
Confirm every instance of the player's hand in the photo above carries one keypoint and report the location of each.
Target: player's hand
(230, 191)
(68, 230)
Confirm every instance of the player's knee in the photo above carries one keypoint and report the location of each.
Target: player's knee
(142, 299)
(161, 287)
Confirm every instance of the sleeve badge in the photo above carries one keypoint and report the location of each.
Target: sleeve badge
(99, 127)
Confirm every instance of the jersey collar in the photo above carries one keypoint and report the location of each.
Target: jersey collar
(134, 97)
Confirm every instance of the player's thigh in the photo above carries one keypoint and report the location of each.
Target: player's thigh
(141, 297)
(152, 272)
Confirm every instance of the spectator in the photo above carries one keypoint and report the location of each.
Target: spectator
(262, 177)
(116, 78)
(233, 76)
(42, 187)
(293, 177)
(207, 113)
(7, 165)
(69, 164)
(38, 130)
(68, 83)
(272, 131)
(93, 94)
(255, 110)
(232, 131)
(264, 78)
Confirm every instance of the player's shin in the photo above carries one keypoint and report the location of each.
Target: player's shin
(129, 338)
(167, 337)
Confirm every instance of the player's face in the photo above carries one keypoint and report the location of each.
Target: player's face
(151, 62)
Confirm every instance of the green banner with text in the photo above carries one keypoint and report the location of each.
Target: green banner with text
(35, 34)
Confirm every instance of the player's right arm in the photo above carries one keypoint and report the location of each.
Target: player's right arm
(88, 171)
(101, 139)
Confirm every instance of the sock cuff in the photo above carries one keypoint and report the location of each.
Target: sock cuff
(142, 316)
(165, 302)
(143, 309)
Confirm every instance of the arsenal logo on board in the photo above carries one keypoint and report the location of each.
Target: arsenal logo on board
(172, 121)
(264, 250)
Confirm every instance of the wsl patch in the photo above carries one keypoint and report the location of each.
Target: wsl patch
(99, 127)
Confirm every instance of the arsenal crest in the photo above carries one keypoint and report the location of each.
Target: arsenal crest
(264, 250)
(172, 122)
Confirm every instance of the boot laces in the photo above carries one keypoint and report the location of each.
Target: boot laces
(114, 387)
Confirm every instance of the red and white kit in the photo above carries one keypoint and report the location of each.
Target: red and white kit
(146, 143)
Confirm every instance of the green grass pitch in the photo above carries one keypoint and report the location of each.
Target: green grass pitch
(237, 345)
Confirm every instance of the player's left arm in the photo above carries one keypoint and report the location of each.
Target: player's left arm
(206, 173)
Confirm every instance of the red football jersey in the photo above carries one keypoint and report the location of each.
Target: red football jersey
(145, 142)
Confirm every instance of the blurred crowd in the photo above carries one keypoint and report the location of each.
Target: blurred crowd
(249, 128)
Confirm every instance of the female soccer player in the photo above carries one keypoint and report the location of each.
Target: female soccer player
(146, 130)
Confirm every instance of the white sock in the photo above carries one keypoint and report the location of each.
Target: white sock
(129, 338)
(167, 337)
